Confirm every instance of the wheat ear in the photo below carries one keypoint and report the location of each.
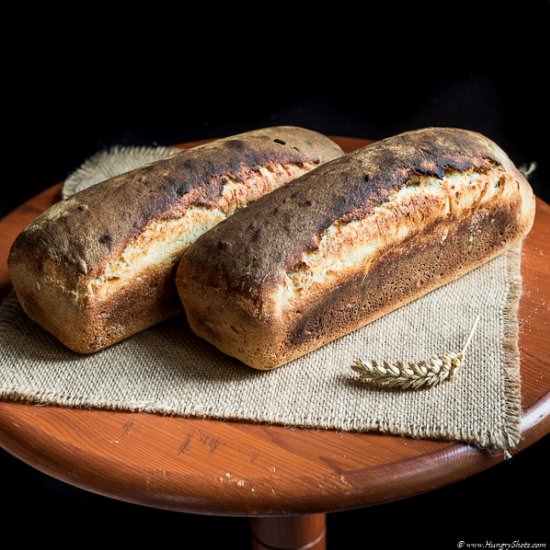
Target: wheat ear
(413, 376)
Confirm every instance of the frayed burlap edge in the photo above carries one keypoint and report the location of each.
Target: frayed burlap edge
(511, 431)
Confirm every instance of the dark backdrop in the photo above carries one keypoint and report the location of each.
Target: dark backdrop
(478, 65)
(353, 73)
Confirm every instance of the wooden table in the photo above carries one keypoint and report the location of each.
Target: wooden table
(272, 473)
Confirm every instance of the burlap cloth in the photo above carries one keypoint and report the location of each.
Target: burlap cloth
(168, 370)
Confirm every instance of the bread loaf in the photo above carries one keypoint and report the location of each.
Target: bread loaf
(350, 241)
(99, 266)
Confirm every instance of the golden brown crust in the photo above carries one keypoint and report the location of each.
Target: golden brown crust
(469, 206)
(91, 325)
(345, 189)
(98, 267)
(84, 231)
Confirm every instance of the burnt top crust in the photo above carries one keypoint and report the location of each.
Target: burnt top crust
(81, 233)
(252, 250)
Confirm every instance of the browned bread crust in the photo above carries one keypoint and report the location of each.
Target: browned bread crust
(98, 267)
(324, 255)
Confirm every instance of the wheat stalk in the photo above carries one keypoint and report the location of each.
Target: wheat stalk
(412, 376)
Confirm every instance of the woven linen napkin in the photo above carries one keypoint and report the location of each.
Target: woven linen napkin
(168, 370)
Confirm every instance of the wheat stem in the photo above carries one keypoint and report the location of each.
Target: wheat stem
(471, 335)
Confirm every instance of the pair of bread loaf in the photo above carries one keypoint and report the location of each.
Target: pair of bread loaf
(308, 262)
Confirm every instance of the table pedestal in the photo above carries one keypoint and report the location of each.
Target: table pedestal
(289, 532)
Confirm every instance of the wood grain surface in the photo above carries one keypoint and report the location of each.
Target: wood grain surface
(220, 467)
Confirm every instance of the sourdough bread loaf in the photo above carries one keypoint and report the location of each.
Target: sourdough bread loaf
(350, 241)
(99, 266)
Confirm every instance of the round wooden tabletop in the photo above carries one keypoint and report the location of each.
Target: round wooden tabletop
(220, 467)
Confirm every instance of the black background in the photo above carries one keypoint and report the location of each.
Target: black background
(339, 70)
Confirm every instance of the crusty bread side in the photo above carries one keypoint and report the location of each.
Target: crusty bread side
(99, 266)
(356, 238)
